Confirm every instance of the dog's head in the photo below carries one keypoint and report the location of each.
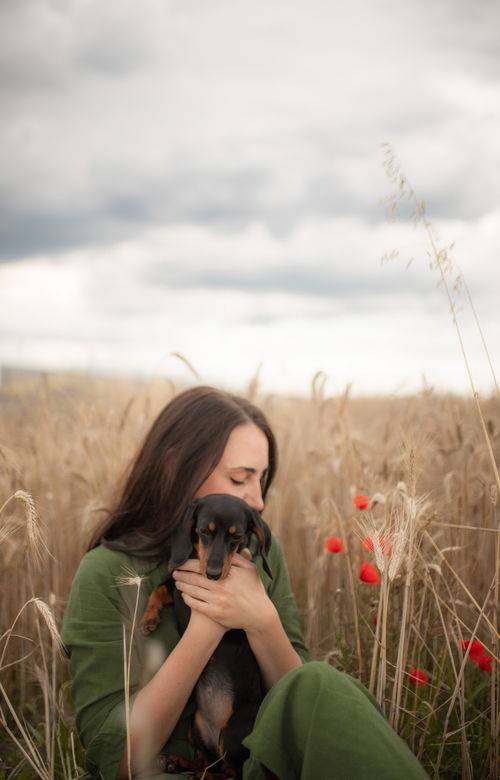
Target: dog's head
(216, 527)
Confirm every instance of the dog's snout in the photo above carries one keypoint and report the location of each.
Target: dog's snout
(213, 573)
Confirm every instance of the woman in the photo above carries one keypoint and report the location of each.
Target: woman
(206, 441)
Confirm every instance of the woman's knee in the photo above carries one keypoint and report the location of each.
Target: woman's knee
(317, 675)
(317, 682)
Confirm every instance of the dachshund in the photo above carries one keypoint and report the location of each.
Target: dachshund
(230, 690)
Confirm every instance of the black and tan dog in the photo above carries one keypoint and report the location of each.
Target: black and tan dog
(229, 691)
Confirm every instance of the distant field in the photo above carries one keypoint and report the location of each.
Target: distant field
(432, 521)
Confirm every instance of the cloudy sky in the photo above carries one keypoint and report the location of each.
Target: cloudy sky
(204, 177)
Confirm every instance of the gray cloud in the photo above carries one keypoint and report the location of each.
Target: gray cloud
(24, 234)
(334, 280)
(122, 116)
(54, 45)
(122, 201)
(119, 202)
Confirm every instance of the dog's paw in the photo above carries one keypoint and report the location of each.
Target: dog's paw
(149, 623)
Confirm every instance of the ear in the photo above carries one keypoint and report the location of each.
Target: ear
(263, 535)
(182, 540)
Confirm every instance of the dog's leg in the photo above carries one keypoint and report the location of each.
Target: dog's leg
(151, 618)
(237, 728)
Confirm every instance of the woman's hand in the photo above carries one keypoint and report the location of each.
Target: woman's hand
(238, 601)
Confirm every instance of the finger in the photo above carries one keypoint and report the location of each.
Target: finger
(196, 604)
(191, 577)
(243, 560)
(195, 591)
(192, 564)
(210, 610)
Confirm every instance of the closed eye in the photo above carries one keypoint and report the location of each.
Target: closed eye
(236, 481)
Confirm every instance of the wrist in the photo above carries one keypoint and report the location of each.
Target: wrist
(268, 620)
(202, 629)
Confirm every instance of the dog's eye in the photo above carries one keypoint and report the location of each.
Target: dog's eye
(204, 533)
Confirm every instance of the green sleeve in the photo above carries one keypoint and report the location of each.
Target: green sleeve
(99, 608)
(280, 592)
(93, 636)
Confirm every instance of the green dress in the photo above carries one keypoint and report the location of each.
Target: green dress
(315, 724)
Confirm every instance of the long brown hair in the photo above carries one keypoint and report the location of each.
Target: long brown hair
(183, 446)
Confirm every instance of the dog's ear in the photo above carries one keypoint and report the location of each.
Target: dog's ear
(263, 534)
(182, 540)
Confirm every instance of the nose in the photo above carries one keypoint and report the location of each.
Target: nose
(253, 497)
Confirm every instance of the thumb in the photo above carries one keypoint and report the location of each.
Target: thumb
(245, 553)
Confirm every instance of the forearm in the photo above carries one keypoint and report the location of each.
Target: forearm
(272, 649)
(158, 706)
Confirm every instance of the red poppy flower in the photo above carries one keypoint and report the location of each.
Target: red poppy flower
(476, 650)
(334, 544)
(375, 620)
(369, 573)
(361, 502)
(368, 544)
(418, 677)
(484, 662)
(477, 654)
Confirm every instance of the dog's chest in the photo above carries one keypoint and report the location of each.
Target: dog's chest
(230, 679)
(214, 703)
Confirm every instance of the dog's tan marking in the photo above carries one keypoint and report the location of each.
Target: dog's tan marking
(202, 555)
(211, 526)
(232, 529)
(221, 735)
(259, 533)
(227, 565)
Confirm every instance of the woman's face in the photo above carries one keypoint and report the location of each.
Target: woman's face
(241, 467)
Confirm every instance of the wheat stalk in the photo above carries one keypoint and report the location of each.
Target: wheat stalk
(442, 261)
(35, 541)
(48, 618)
(135, 580)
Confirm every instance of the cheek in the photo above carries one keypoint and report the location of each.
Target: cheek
(213, 484)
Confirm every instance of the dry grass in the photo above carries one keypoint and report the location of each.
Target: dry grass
(423, 459)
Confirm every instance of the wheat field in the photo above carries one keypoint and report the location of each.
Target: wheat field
(431, 522)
